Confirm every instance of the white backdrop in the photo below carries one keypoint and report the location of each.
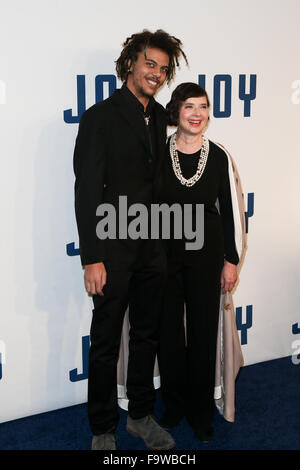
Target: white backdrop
(45, 45)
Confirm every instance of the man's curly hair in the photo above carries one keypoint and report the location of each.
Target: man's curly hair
(140, 41)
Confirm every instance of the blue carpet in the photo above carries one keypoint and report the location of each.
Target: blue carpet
(267, 418)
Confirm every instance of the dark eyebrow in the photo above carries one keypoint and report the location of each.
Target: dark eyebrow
(154, 62)
(202, 104)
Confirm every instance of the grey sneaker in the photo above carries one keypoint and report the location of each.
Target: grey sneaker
(154, 436)
(105, 441)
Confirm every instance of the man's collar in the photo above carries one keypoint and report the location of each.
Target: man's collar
(133, 99)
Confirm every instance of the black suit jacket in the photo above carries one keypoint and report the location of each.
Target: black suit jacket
(112, 158)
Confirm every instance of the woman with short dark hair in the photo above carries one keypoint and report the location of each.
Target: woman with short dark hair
(195, 172)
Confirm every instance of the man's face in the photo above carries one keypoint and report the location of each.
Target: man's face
(148, 73)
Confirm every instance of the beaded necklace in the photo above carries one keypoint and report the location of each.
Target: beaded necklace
(201, 163)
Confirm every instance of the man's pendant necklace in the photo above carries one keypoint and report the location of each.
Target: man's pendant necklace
(147, 119)
(201, 163)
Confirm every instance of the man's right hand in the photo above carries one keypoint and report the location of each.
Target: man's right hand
(94, 278)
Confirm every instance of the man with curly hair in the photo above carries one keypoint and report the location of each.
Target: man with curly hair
(118, 152)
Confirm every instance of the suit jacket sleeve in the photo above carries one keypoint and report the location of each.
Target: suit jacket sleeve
(89, 169)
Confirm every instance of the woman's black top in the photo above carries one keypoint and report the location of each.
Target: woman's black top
(213, 186)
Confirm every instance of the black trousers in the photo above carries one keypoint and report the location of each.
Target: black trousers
(187, 360)
(141, 289)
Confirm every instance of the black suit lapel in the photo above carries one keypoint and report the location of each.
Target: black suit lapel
(161, 133)
(129, 112)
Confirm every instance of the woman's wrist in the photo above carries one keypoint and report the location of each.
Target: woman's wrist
(226, 261)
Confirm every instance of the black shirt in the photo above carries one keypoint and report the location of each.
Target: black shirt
(146, 115)
(212, 186)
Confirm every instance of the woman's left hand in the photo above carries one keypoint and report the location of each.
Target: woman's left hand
(228, 276)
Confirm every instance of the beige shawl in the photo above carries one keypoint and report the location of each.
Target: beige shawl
(229, 354)
(229, 357)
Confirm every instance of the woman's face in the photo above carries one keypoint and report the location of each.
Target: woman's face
(193, 115)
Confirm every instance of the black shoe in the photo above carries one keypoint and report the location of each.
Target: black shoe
(205, 435)
(169, 421)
